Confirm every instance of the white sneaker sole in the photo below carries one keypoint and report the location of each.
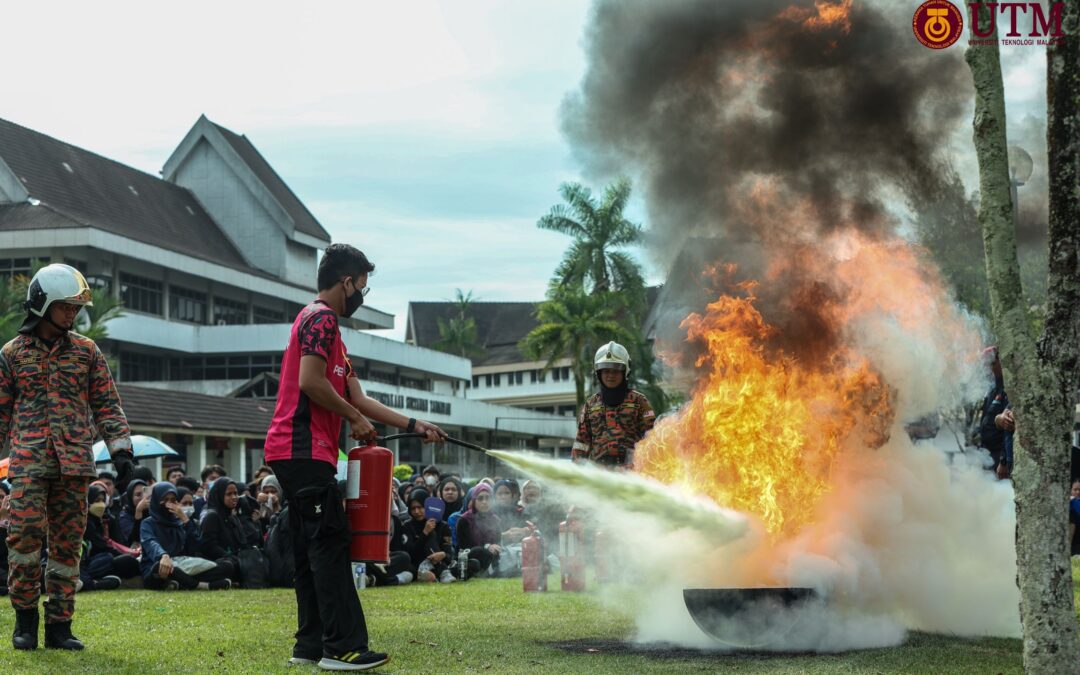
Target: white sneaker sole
(333, 664)
(297, 661)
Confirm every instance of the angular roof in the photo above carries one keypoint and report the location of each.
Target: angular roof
(79, 188)
(150, 407)
(305, 222)
(499, 327)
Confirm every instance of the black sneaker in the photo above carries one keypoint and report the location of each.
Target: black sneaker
(354, 661)
(220, 585)
(109, 583)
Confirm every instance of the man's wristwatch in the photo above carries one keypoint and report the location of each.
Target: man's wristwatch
(412, 425)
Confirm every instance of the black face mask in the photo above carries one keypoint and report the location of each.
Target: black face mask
(613, 396)
(353, 302)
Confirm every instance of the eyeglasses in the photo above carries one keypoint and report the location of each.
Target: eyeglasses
(484, 498)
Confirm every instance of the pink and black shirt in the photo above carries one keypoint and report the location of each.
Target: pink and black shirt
(301, 429)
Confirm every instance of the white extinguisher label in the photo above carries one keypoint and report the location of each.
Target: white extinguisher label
(352, 480)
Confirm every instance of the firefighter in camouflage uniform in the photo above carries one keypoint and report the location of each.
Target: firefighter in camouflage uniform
(616, 417)
(56, 393)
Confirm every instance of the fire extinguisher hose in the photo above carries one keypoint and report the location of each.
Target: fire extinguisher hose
(449, 439)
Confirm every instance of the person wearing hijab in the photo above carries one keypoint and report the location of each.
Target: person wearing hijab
(134, 507)
(428, 542)
(451, 491)
(102, 568)
(538, 510)
(220, 530)
(453, 519)
(479, 530)
(398, 509)
(509, 513)
(169, 537)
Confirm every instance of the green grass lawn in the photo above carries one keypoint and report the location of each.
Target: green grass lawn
(479, 626)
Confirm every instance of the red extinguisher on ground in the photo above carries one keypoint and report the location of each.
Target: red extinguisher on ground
(572, 552)
(533, 577)
(367, 502)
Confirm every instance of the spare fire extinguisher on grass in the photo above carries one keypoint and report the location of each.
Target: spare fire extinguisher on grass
(602, 557)
(533, 576)
(572, 552)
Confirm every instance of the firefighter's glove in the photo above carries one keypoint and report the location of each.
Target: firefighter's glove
(122, 460)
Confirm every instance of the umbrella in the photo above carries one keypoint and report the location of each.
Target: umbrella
(143, 447)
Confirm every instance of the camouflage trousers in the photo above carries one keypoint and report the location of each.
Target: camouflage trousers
(49, 510)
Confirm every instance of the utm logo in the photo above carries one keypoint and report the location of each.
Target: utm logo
(938, 24)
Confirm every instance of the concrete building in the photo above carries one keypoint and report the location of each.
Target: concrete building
(212, 262)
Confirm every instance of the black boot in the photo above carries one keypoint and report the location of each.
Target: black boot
(26, 628)
(58, 636)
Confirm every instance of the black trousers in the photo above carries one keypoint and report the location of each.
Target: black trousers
(187, 581)
(329, 617)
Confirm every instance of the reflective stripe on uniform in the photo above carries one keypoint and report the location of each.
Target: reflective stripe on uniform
(580, 447)
(60, 570)
(31, 558)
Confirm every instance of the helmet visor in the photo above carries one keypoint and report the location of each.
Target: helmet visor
(611, 365)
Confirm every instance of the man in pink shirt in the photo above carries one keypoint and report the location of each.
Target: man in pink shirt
(317, 390)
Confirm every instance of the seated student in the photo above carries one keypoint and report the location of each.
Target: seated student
(451, 491)
(397, 572)
(428, 542)
(509, 513)
(109, 481)
(453, 519)
(135, 506)
(479, 531)
(269, 499)
(208, 475)
(170, 538)
(192, 486)
(540, 511)
(220, 531)
(256, 483)
(173, 474)
(102, 566)
(144, 474)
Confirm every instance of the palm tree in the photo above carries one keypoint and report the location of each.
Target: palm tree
(598, 229)
(459, 335)
(573, 323)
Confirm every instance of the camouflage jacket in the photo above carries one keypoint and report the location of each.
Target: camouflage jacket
(609, 434)
(57, 398)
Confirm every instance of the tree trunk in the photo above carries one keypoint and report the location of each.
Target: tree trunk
(1038, 379)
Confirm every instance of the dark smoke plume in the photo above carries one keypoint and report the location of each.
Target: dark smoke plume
(733, 116)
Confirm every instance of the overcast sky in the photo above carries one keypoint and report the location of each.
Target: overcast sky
(425, 133)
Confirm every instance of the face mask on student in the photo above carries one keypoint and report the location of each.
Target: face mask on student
(97, 509)
(189, 511)
(430, 480)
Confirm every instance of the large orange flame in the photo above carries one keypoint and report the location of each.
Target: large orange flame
(762, 430)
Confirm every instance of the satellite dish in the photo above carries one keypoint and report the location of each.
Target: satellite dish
(1020, 164)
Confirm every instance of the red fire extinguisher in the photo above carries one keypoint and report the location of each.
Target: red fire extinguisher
(367, 502)
(602, 557)
(533, 577)
(572, 552)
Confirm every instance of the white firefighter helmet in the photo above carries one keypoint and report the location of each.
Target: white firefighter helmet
(55, 283)
(612, 355)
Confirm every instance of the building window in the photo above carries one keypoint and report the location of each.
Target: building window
(10, 267)
(565, 372)
(141, 294)
(384, 378)
(496, 379)
(518, 376)
(416, 383)
(266, 315)
(229, 312)
(475, 381)
(554, 374)
(222, 367)
(187, 305)
(136, 367)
